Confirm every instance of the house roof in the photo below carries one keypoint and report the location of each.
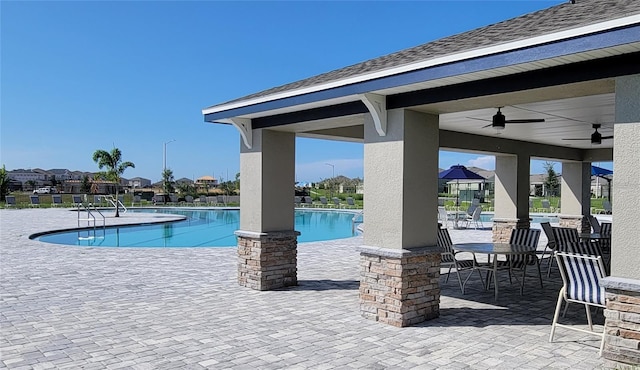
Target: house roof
(555, 19)
(206, 178)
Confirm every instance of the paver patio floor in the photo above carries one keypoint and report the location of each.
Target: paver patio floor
(148, 308)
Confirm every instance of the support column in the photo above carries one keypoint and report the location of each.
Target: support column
(400, 262)
(622, 325)
(267, 241)
(575, 190)
(511, 195)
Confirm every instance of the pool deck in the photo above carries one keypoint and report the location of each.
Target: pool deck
(150, 308)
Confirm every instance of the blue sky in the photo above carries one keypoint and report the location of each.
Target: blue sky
(81, 76)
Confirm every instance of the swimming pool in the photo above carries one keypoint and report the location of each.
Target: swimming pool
(201, 228)
(535, 218)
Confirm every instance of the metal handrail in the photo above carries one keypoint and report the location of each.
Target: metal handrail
(357, 219)
(113, 201)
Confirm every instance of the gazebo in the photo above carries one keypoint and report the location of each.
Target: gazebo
(562, 70)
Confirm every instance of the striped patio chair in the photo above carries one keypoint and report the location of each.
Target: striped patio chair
(581, 277)
(605, 232)
(587, 248)
(449, 258)
(551, 242)
(595, 224)
(563, 236)
(528, 237)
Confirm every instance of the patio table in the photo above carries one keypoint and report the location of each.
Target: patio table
(593, 236)
(457, 217)
(493, 250)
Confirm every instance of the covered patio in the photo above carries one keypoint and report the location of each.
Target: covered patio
(573, 66)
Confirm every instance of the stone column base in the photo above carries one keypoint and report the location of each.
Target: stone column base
(502, 228)
(577, 222)
(267, 261)
(622, 324)
(400, 287)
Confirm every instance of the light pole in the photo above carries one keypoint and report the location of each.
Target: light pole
(164, 155)
(333, 176)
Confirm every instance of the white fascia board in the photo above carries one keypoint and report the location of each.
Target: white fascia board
(552, 37)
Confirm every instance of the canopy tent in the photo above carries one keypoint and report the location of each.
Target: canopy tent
(599, 171)
(603, 173)
(459, 172)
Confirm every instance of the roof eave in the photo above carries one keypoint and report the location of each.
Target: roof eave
(219, 112)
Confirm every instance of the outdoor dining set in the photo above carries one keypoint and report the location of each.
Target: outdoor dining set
(583, 259)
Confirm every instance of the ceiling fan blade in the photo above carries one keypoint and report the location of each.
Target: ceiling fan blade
(607, 137)
(578, 139)
(489, 125)
(533, 120)
(479, 119)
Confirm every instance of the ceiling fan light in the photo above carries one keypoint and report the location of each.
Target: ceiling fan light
(498, 121)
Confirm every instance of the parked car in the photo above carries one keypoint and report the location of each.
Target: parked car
(46, 190)
(42, 191)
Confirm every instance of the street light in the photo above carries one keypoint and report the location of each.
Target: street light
(164, 155)
(333, 176)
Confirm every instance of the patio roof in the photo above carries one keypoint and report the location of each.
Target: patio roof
(558, 64)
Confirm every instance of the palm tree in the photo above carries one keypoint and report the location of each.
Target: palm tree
(4, 182)
(115, 168)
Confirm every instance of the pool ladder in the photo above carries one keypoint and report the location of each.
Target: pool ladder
(91, 220)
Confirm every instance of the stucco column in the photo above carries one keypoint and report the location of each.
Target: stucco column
(575, 198)
(400, 263)
(267, 241)
(622, 333)
(511, 195)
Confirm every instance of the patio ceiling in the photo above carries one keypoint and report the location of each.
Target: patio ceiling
(567, 114)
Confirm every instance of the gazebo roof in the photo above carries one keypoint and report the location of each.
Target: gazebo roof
(562, 17)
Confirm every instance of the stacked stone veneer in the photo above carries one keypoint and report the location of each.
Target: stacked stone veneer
(502, 228)
(578, 222)
(622, 324)
(400, 287)
(267, 260)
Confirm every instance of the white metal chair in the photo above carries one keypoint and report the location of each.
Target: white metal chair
(76, 199)
(475, 218)
(10, 201)
(35, 200)
(351, 202)
(546, 206)
(56, 200)
(443, 216)
(581, 275)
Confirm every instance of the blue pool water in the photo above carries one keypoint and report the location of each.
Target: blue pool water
(535, 218)
(202, 228)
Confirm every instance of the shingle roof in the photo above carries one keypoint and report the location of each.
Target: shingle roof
(546, 21)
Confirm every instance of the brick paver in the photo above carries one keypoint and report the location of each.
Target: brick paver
(157, 308)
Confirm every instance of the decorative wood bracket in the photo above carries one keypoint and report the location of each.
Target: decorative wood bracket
(244, 127)
(377, 105)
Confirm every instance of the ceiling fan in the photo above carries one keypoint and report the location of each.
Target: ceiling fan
(596, 138)
(499, 120)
